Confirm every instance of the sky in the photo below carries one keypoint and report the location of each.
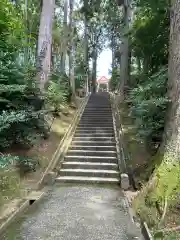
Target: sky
(104, 63)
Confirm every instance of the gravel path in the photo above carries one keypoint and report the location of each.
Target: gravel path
(77, 212)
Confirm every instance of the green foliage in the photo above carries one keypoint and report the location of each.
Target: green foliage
(79, 81)
(114, 79)
(150, 37)
(146, 212)
(55, 95)
(164, 186)
(57, 92)
(21, 115)
(25, 164)
(6, 160)
(148, 106)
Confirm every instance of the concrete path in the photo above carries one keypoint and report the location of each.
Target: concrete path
(77, 212)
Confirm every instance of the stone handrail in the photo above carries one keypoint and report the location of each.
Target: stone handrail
(123, 155)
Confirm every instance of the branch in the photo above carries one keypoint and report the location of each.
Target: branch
(164, 210)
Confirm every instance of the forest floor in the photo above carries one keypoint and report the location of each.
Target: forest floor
(43, 151)
(139, 159)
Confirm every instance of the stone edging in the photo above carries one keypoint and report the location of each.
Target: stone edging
(119, 147)
(143, 226)
(145, 231)
(31, 199)
(130, 210)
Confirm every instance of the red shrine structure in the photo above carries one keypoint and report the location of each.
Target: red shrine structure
(103, 81)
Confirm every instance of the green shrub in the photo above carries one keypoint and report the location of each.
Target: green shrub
(21, 105)
(148, 104)
(55, 96)
(164, 187)
(27, 164)
(57, 92)
(168, 184)
(114, 79)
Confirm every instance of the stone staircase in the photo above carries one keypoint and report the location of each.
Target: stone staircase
(92, 155)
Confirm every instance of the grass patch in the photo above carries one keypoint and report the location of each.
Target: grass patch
(158, 200)
(9, 185)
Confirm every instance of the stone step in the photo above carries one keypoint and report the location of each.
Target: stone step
(93, 143)
(93, 148)
(94, 138)
(101, 100)
(99, 134)
(94, 180)
(101, 120)
(93, 107)
(91, 153)
(77, 158)
(95, 121)
(95, 131)
(90, 173)
(98, 103)
(96, 110)
(105, 124)
(97, 117)
(100, 108)
(93, 128)
(97, 114)
(90, 165)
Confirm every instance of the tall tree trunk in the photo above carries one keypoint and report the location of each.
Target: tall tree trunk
(113, 44)
(65, 29)
(26, 55)
(94, 69)
(71, 54)
(86, 47)
(52, 58)
(45, 41)
(124, 73)
(172, 129)
(145, 65)
(138, 61)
